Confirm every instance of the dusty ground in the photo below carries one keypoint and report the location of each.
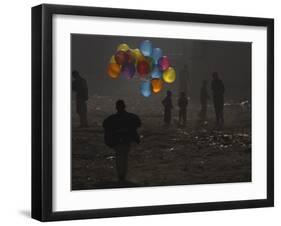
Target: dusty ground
(166, 156)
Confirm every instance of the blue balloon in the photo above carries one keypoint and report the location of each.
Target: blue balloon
(145, 88)
(146, 48)
(156, 54)
(156, 72)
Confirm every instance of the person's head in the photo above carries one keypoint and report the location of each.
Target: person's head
(169, 93)
(182, 94)
(120, 105)
(215, 75)
(75, 74)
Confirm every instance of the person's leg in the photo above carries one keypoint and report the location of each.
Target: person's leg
(169, 116)
(180, 117)
(165, 116)
(81, 119)
(78, 110)
(84, 120)
(217, 112)
(122, 161)
(221, 116)
(222, 109)
(204, 111)
(201, 112)
(118, 162)
(184, 116)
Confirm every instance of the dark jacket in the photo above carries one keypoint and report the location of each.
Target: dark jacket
(182, 102)
(167, 103)
(217, 88)
(121, 128)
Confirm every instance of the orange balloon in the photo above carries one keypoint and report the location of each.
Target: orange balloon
(157, 85)
(113, 70)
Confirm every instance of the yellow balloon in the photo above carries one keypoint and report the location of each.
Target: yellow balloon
(112, 59)
(169, 75)
(113, 70)
(137, 54)
(123, 47)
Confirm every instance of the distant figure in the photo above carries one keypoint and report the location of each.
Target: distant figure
(79, 85)
(204, 96)
(168, 106)
(120, 132)
(182, 103)
(218, 98)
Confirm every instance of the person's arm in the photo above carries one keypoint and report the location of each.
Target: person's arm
(135, 120)
(138, 122)
(164, 102)
(105, 123)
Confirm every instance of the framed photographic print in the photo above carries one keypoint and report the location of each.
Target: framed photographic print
(145, 112)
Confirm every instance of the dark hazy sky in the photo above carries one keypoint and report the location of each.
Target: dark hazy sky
(90, 55)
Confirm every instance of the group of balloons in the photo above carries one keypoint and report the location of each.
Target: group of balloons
(148, 63)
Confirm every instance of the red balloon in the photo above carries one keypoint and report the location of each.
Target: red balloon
(121, 57)
(150, 62)
(143, 68)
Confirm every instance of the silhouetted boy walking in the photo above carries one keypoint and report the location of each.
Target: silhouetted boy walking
(120, 132)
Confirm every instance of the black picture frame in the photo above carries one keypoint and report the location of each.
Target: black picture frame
(42, 111)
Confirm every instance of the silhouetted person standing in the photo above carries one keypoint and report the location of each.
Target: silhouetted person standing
(168, 106)
(120, 132)
(204, 96)
(79, 85)
(182, 103)
(218, 98)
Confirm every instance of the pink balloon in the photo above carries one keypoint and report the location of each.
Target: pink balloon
(163, 63)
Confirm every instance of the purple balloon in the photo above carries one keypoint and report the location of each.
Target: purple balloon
(128, 70)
